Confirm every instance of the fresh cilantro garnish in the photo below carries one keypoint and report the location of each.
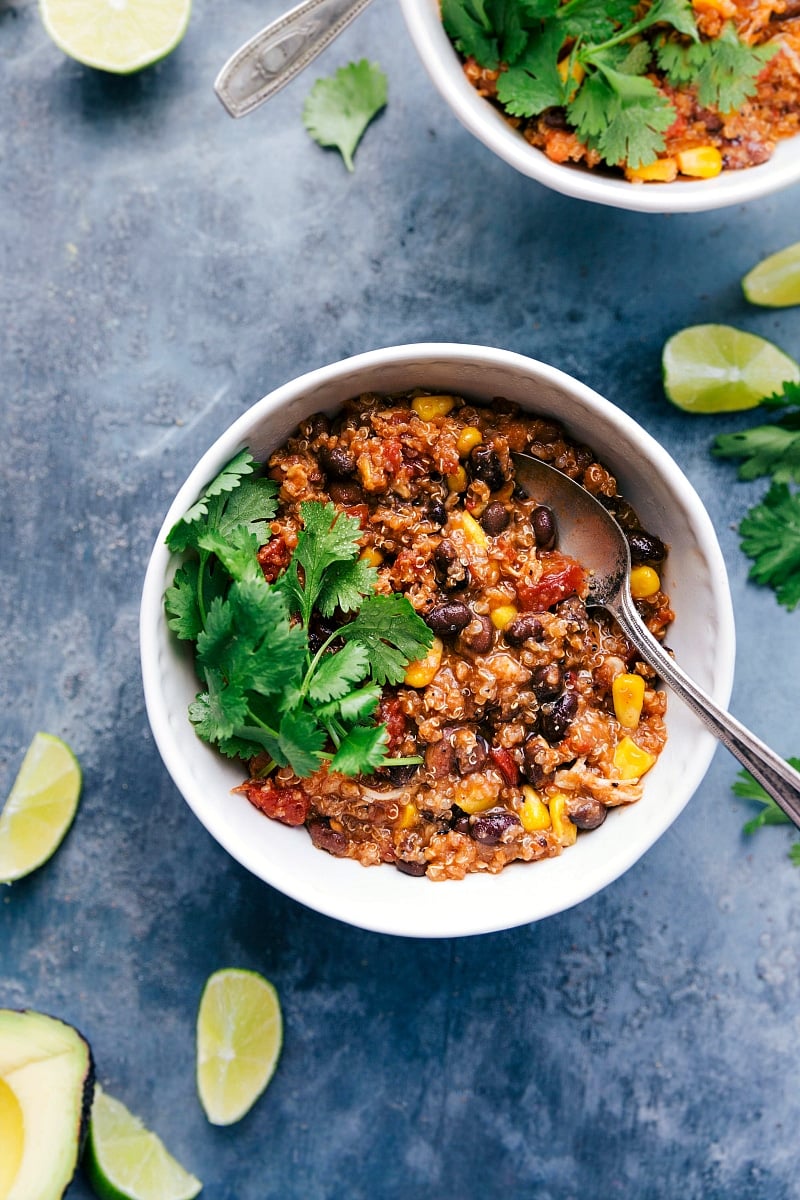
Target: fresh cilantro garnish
(748, 789)
(592, 57)
(339, 108)
(263, 687)
(772, 449)
(770, 535)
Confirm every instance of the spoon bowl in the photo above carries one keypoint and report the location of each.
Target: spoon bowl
(590, 534)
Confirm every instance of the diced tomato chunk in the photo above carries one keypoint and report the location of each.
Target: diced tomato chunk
(274, 558)
(561, 577)
(504, 761)
(390, 714)
(289, 805)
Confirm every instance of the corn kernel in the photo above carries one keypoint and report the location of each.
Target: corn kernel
(503, 615)
(703, 162)
(408, 816)
(627, 692)
(371, 556)
(429, 407)
(470, 437)
(476, 793)
(631, 760)
(472, 530)
(564, 829)
(457, 482)
(663, 170)
(533, 812)
(576, 73)
(644, 582)
(421, 671)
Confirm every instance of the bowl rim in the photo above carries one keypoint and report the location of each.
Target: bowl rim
(490, 127)
(344, 907)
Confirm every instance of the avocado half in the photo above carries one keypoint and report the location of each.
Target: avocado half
(46, 1088)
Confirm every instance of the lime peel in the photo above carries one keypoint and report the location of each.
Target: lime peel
(775, 281)
(239, 1039)
(40, 807)
(120, 36)
(718, 368)
(125, 1161)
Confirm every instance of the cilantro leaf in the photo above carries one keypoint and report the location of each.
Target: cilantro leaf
(362, 750)
(180, 601)
(337, 672)
(328, 536)
(770, 535)
(636, 118)
(595, 20)
(769, 814)
(533, 82)
(788, 395)
(470, 29)
(237, 552)
(181, 536)
(393, 633)
(728, 75)
(677, 13)
(766, 449)
(217, 713)
(344, 585)
(352, 707)
(338, 109)
(301, 739)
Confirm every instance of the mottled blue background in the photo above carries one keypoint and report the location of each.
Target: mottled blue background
(164, 267)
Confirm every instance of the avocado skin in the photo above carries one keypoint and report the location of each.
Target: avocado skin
(87, 1086)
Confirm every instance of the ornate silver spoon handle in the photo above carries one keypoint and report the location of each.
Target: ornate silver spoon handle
(777, 777)
(271, 59)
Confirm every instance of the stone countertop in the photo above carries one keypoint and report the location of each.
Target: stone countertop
(163, 268)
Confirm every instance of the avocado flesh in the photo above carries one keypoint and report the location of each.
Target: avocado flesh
(46, 1085)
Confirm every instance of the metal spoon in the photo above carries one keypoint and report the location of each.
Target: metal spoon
(591, 535)
(272, 58)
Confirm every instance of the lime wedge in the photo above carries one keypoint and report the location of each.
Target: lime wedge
(40, 807)
(125, 1161)
(716, 368)
(775, 281)
(239, 1037)
(116, 35)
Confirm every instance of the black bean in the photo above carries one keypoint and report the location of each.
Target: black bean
(416, 869)
(435, 512)
(523, 627)
(451, 572)
(645, 547)
(317, 425)
(472, 751)
(440, 757)
(547, 681)
(459, 821)
(346, 493)
(495, 518)
(450, 617)
(325, 838)
(338, 462)
(588, 813)
(403, 774)
(489, 827)
(484, 463)
(556, 717)
(544, 527)
(478, 635)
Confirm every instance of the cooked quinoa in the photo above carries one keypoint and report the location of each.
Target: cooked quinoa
(730, 140)
(512, 715)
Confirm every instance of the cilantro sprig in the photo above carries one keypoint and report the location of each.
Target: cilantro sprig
(769, 814)
(339, 108)
(593, 59)
(264, 688)
(770, 531)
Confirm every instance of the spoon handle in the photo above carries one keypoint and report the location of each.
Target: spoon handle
(272, 58)
(775, 775)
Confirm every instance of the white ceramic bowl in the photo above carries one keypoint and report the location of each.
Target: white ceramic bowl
(380, 898)
(490, 127)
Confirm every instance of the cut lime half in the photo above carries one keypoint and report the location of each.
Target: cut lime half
(716, 368)
(239, 1038)
(121, 36)
(775, 281)
(40, 806)
(125, 1161)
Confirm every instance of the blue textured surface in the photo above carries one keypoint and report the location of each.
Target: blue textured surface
(164, 267)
